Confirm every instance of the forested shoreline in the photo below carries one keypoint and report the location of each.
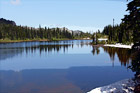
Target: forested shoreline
(9, 31)
(128, 31)
(118, 34)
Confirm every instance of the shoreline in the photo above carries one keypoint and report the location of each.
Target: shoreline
(18, 41)
(46, 40)
(114, 45)
(35, 40)
(123, 86)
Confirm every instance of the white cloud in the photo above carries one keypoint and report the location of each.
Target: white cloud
(15, 2)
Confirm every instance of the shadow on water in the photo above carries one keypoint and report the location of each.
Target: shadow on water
(72, 80)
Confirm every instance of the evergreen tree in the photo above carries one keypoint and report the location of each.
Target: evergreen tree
(13, 32)
(132, 20)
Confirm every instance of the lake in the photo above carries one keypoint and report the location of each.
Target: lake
(71, 66)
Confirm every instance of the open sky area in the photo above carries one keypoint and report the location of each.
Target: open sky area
(85, 15)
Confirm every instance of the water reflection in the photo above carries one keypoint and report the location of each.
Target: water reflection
(95, 50)
(47, 48)
(78, 51)
(73, 67)
(124, 55)
(10, 50)
(128, 57)
(9, 53)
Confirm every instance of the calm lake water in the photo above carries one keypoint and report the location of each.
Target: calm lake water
(71, 66)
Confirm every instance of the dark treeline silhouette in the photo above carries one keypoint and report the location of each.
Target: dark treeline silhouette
(132, 20)
(4, 21)
(129, 30)
(22, 33)
(135, 63)
(118, 34)
(13, 32)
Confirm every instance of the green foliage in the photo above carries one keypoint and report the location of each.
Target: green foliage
(93, 38)
(129, 30)
(118, 34)
(132, 20)
(111, 42)
(101, 42)
(13, 32)
(93, 43)
(135, 64)
(96, 36)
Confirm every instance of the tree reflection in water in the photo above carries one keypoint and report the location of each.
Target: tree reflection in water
(9, 52)
(96, 50)
(124, 55)
(47, 48)
(135, 63)
(14, 51)
(127, 57)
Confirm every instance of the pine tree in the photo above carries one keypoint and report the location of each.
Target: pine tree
(133, 19)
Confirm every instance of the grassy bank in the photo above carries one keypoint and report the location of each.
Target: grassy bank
(32, 40)
(15, 41)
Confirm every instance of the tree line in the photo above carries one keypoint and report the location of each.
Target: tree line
(13, 32)
(118, 34)
(128, 31)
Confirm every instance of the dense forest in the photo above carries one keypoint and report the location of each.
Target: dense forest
(10, 31)
(128, 31)
(118, 34)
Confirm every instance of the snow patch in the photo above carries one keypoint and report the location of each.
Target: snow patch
(124, 86)
(119, 45)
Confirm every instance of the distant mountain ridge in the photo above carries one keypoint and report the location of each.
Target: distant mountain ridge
(4, 21)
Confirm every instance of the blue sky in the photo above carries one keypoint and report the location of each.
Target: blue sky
(86, 15)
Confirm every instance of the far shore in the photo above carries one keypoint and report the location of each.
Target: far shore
(118, 45)
(16, 41)
(36, 40)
